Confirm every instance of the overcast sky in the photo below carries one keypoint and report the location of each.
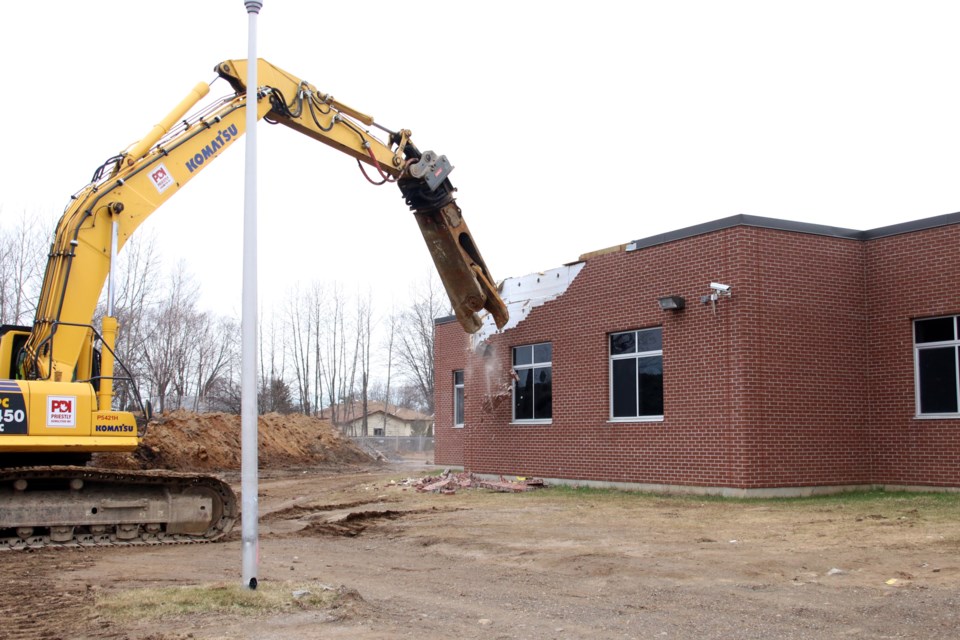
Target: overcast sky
(573, 126)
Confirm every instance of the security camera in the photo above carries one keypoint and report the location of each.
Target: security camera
(716, 286)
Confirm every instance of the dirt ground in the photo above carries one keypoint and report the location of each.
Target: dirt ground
(551, 563)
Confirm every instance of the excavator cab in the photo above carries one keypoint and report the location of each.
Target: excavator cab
(12, 339)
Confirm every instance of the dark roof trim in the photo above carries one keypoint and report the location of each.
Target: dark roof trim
(913, 225)
(444, 320)
(798, 227)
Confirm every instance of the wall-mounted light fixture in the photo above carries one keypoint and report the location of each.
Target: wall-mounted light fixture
(671, 303)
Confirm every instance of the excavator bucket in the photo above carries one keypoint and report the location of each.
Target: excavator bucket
(462, 271)
(464, 274)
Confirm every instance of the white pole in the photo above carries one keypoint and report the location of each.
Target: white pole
(248, 366)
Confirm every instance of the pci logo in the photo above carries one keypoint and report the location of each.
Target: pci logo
(61, 411)
(161, 178)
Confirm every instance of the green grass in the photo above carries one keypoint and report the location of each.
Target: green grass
(162, 602)
(934, 502)
(933, 506)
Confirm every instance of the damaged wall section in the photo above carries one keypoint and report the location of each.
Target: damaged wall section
(525, 293)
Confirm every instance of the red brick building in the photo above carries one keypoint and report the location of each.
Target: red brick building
(831, 361)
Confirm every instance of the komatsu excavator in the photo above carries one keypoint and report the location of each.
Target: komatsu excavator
(57, 377)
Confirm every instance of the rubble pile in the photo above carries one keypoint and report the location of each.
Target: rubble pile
(448, 482)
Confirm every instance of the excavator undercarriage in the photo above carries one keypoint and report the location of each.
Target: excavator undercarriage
(82, 506)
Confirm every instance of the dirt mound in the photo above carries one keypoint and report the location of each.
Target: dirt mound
(187, 441)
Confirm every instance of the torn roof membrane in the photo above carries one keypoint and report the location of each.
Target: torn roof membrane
(524, 293)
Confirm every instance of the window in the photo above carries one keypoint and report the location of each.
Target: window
(533, 387)
(636, 375)
(378, 431)
(936, 342)
(458, 398)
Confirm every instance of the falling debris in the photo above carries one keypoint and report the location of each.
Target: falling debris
(498, 390)
(448, 482)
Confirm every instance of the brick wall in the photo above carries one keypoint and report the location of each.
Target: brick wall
(910, 276)
(801, 360)
(449, 354)
(778, 388)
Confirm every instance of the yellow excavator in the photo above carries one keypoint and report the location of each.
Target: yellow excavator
(57, 376)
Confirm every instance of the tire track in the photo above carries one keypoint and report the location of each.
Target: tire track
(35, 607)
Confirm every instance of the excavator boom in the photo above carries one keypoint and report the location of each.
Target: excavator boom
(149, 173)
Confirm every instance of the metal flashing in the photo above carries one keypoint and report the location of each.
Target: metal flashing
(796, 227)
(913, 225)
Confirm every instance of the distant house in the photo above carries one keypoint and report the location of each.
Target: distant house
(381, 420)
(744, 356)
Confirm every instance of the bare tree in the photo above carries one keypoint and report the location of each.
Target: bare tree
(314, 315)
(216, 351)
(22, 261)
(337, 362)
(349, 392)
(224, 393)
(409, 396)
(273, 391)
(169, 341)
(325, 319)
(364, 339)
(415, 353)
(300, 343)
(392, 324)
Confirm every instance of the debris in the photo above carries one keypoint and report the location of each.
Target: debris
(502, 391)
(448, 482)
(506, 486)
(836, 572)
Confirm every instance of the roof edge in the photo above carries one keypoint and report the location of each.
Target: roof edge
(797, 227)
(748, 221)
(913, 225)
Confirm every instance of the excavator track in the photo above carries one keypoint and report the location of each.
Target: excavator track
(62, 506)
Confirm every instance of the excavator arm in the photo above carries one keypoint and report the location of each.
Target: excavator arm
(131, 186)
(422, 179)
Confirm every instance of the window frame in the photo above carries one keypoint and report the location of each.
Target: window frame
(459, 396)
(533, 365)
(636, 355)
(918, 347)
